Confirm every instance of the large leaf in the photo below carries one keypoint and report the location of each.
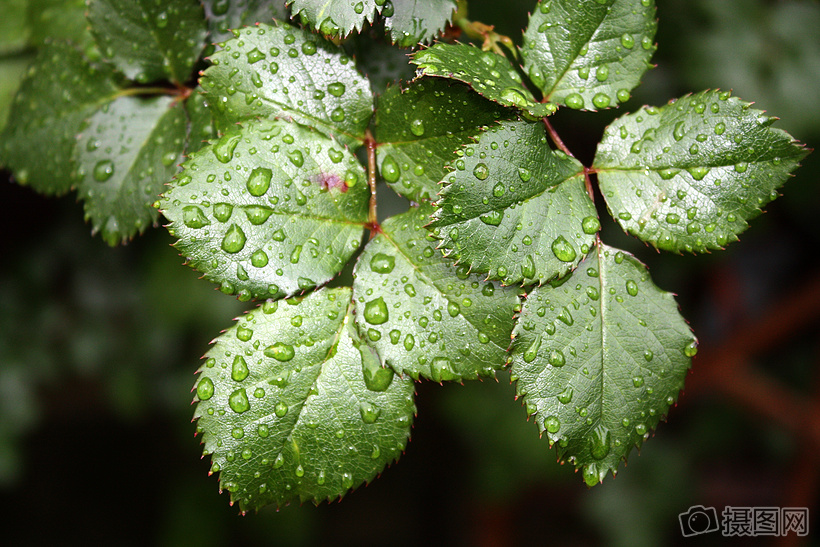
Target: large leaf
(150, 40)
(293, 408)
(420, 128)
(589, 54)
(60, 90)
(425, 317)
(414, 21)
(335, 17)
(514, 208)
(600, 359)
(287, 72)
(270, 209)
(126, 154)
(687, 176)
(225, 15)
(489, 73)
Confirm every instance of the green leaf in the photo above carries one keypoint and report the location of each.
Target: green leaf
(60, 20)
(589, 55)
(420, 128)
(224, 15)
(687, 176)
(149, 40)
(425, 317)
(292, 410)
(127, 152)
(489, 73)
(270, 209)
(599, 359)
(14, 27)
(12, 72)
(412, 21)
(60, 90)
(335, 17)
(283, 71)
(200, 120)
(514, 208)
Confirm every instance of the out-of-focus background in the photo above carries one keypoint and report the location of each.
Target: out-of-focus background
(98, 348)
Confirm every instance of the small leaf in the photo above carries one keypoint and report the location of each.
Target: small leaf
(283, 71)
(292, 410)
(201, 123)
(126, 154)
(412, 21)
(489, 73)
(514, 208)
(687, 176)
(60, 90)
(149, 40)
(334, 18)
(270, 209)
(599, 359)
(224, 15)
(589, 55)
(425, 317)
(419, 129)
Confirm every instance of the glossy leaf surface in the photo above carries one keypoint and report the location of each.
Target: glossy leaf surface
(226, 15)
(270, 209)
(292, 408)
(689, 175)
(336, 18)
(424, 316)
(420, 128)
(514, 208)
(599, 360)
(414, 21)
(284, 71)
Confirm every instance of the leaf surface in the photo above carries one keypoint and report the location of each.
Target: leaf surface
(688, 176)
(489, 73)
(336, 17)
(514, 208)
(225, 15)
(291, 407)
(60, 90)
(600, 359)
(425, 317)
(149, 40)
(270, 209)
(283, 71)
(589, 55)
(420, 128)
(200, 122)
(414, 21)
(125, 155)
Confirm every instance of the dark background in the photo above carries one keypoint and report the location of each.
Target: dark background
(98, 348)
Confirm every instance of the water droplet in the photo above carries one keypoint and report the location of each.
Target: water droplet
(375, 312)
(628, 41)
(493, 218)
(453, 309)
(259, 181)
(441, 370)
(390, 169)
(234, 240)
(193, 217)
(632, 288)
(574, 100)
(600, 443)
(281, 409)
(557, 358)
(309, 48)
(280, 351)
(563, 249)
(565, 396)
(590, 225)
(481, 171)
(601, 100)
(258, 214)
(417, 127)
(254, 56)
(104, 170)
(691, 349)
(528, 267)
(238, 401)
(698, 173)
(552, 424)
(224, 147)
(524, 174)
(296, 158)
(532, 352)
(205, 389)
(337, 89)
(382, 263)
(239, 370)
(679, 131)
(370, 412)
(378, 379)
(223, 211)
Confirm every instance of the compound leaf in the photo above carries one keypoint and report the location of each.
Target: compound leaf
(293, 408)
(514, 208)
(283, 71)
(600, 359)
(489, 73)
(424, 316)
(270, 209)
(420, 128)
(126, 153)
(60, 90)
(334, 17)
(688, 176)
(224, 15)
(149, 40)
(589, 54)
(412, 21)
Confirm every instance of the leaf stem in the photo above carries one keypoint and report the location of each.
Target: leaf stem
(477, 30)
(372, 217)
